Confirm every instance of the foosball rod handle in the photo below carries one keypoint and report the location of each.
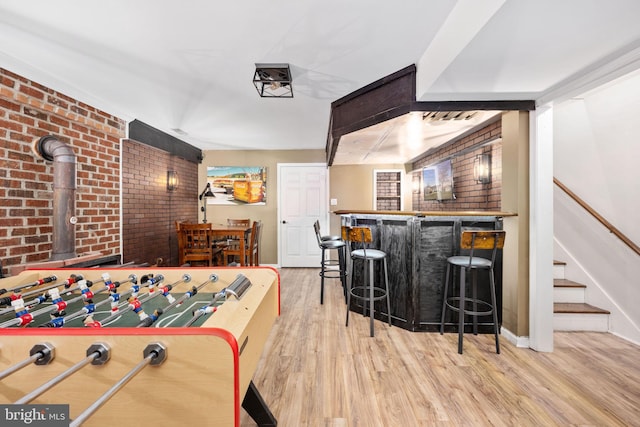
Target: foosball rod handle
(97, 354)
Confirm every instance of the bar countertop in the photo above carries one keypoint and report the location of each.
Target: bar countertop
(425, 213)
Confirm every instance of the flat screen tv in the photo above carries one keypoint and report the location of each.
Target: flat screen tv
(437, 181)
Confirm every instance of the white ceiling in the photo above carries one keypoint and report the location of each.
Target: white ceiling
(189, 64)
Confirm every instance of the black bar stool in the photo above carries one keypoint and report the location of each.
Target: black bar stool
(473, 240)
(326, 265)
(367, 292)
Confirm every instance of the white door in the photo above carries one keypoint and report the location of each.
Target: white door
(302, 199)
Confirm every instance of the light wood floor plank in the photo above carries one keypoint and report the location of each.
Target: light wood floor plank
(314, 371)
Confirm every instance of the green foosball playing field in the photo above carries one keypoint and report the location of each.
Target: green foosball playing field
(152, 308)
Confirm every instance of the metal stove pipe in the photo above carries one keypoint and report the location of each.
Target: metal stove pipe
(64, 195)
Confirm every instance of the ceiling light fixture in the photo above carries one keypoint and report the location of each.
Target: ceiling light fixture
(273, 80)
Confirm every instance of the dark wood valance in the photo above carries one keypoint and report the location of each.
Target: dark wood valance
(393, 96)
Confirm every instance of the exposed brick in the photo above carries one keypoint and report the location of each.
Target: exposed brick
(49, 127)
(28, 111)
(7, 105)
(469, 194)
(17, 127)
(32, 92)
(60, 121)
(78, 110)
(7, 82)
(32, 112)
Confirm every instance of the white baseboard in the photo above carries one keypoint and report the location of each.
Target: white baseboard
(521, 342)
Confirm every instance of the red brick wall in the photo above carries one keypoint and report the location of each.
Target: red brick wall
(29, 111)
(149, 209)
(388, 191)
(470, 195)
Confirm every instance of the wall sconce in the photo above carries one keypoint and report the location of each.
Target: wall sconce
(482, 168)
(273, 81)
(172, 180)
(416, 184)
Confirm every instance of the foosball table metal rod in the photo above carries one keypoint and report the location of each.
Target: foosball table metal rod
(193, 291)
(66, 284)
(90, 308)
(40, 354)
(38, 282)
(154, 354)
(237, 288)
(147, 282)
(97, 354)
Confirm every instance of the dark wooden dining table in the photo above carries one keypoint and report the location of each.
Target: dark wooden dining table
(240, 233)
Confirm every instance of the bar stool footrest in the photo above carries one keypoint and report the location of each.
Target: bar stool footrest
(330, 263)
(378, 293)
(488, 312)
(332, 274)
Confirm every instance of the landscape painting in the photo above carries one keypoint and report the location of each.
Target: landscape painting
(437, 181)
(237, 185)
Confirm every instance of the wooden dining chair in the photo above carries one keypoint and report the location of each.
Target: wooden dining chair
(232, 243)
(254, 244)
(178, 225)
(234, 222)
(196, 244)
(251, 245)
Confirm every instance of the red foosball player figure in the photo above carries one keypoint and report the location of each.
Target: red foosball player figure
(21, 312)
(136, 306)
(84, 289)
(90, 323)
(56, 300)
(165, 292)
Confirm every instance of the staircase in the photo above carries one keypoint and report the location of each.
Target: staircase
(570, 312)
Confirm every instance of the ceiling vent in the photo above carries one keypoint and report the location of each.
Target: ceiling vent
(438, 116)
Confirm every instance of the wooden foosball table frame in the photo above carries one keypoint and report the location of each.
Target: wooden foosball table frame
(203, 381)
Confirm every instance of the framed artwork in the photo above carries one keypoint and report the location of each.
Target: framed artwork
(237, 185)
(437, 181)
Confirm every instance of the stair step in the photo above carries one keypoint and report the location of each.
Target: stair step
(566, 283)
(579, 317)
(570, 312)
(577, 308)
(567, 291)
(558, 269)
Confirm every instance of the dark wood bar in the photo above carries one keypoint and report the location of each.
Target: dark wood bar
(417, 246)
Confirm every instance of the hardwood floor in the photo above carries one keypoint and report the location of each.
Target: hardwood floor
(316, 372)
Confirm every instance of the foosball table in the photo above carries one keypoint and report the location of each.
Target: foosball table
(137, 346)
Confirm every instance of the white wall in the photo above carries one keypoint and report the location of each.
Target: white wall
(597, 156)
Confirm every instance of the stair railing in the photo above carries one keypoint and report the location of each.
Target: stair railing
(599, 217)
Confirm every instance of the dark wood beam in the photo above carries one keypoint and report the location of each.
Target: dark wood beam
(149, 135)
(393, 96)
